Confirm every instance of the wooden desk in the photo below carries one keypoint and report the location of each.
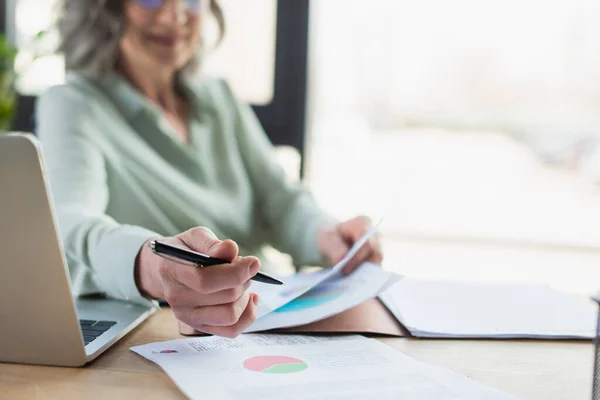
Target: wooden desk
(532, 370)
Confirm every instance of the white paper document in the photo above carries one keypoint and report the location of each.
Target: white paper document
(300, 367)
(273, 297)
(479, 310)
(336, 294)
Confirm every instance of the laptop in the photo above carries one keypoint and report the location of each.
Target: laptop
(40, 321)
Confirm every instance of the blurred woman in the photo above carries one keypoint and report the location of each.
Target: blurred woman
(138, 149)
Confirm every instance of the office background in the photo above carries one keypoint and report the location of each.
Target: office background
(471, 127)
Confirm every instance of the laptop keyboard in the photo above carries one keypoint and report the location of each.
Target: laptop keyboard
(92, 329)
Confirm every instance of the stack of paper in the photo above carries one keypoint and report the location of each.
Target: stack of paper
(330, 297)
(478, 310)
(306, 298)
(262, 367)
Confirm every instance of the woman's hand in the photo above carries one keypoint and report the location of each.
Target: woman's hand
(210, 300)
(335, 242)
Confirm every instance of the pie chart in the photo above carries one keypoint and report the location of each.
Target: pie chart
(275, 364)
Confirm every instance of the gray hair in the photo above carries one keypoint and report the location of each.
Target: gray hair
(91, 30)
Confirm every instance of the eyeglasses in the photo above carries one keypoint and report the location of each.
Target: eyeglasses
(154, 5)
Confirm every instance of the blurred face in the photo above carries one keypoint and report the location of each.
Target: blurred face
(162, 34)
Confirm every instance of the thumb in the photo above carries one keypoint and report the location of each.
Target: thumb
(205, 241)
(336, 249)
(226, 250)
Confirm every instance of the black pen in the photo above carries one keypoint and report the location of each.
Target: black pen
(201, 260)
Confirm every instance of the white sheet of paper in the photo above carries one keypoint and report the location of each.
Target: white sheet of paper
(191, 346)
(340, 369)
(473, 310)
(273, 297)
(336, 294)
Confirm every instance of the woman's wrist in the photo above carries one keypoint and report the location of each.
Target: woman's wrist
(147, 274)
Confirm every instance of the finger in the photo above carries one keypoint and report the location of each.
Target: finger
(181, 296)
(361, 256)
(336, 249)
(226, 250)
(203, 240)
(371, 252)
(216, 279)
(246, 319)
(376, 256)
(354, 229)
(208, 280)
(219, 315)
(186, 330)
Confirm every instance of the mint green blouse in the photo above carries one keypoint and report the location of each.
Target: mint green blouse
(120, 175)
